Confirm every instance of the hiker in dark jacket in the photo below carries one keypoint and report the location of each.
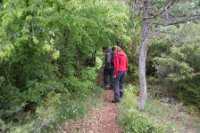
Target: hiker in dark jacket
(108, 67)
(120, 72)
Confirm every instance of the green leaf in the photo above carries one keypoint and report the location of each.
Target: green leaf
(35, 40)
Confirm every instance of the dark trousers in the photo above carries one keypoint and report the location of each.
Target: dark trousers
(119, 85)
(108, 77)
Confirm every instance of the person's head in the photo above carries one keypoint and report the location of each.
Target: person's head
(116, 48)
(105, 48)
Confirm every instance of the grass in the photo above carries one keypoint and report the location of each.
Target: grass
(171, 118)
(77, 108)
(52, 116)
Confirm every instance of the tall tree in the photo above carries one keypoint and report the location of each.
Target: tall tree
(142, 57)
(181, 12)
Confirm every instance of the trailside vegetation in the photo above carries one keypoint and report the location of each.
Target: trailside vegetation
(47, 58)
(155, 14)
(49, 50)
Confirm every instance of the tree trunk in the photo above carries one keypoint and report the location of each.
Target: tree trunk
(142, 58)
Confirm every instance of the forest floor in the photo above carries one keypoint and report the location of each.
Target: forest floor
(103, 119)
(99, 120)
(182, 119)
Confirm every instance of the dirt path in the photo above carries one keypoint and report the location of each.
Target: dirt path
(101, 120)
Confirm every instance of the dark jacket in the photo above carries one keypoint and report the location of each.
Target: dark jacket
(109, 59)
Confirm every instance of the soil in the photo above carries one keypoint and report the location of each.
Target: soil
(100, 120)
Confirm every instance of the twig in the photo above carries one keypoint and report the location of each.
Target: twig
(39, 126)
(183, 21)
(166, 8)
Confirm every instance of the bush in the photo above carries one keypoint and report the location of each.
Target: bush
(179, 71)
(45, 63)
(133, 120)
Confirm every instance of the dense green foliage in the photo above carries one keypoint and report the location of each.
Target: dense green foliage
(133, 120)
(172, 63)
(48, 51)
(47, 57)
(180, 69)
(176, 64)
(158, 117)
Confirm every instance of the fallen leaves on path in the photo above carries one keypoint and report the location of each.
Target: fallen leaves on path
(100, 120)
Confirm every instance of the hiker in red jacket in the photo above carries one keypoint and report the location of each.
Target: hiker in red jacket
(120, 72)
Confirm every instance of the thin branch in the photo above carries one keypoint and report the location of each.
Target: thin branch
(166, 32)
(140, 9)
(165, 9)
(38, 127)
(167, 15)
(183, 21)
(176, 40)
(171, 14)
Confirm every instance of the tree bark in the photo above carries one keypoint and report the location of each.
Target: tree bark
(142, 58)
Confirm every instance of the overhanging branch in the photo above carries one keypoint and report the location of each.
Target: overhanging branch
(165, 9)
(183, 21)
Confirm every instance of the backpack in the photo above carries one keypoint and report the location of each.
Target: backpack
(112, 58)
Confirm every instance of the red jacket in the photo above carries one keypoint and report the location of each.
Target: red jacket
(120, 62)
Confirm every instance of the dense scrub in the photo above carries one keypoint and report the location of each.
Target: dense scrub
(48, 51)
(47, 58)
(175, 65)
(158, 116)
(133, 120)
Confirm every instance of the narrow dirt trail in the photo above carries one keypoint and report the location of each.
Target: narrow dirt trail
(100, 120)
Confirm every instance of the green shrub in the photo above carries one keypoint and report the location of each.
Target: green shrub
(44, 62)
(133, 120)
(190, 95)
(178, 71)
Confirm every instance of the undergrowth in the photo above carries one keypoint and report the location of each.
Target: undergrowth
(133, 120)
(157, 117)
(69, 99)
